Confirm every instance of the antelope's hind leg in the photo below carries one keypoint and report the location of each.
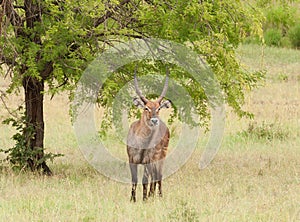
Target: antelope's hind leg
(133, 170)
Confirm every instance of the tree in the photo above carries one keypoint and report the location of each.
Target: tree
(51, 42)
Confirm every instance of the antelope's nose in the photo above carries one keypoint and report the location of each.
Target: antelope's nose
(154, 121)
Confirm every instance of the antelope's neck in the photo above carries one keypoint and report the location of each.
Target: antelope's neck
(145, 129)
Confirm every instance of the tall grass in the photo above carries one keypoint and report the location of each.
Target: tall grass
(254, 177)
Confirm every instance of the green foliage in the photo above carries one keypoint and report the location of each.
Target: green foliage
(280, 16)
(252, 40)
(283, 77)
(71, 38)
(65, 36)
(21, 153)
(273, 37)
(285, 42)
(294, 35)
(198, 27)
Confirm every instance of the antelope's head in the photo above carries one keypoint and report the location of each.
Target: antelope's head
(151, 108)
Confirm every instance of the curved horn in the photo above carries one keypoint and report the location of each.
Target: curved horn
(163, 93)
(137, 90)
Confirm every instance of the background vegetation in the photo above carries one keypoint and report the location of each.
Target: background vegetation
(255, 176)
(281, 25)
(46, 45)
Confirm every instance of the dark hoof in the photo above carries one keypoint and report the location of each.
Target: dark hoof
(133, 199)
(144, 198)
(151, 194)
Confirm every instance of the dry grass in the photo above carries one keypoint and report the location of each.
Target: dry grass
(251, 179)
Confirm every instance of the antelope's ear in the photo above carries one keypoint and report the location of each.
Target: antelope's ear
(165, 104)
(138, 103)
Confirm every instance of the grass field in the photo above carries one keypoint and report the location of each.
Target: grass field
(254, 177)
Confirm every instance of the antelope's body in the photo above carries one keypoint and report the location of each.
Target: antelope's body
(147, 143)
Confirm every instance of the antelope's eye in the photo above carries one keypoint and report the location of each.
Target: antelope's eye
(147, 109)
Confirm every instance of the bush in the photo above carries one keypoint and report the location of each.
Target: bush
(21, 154)
(252, 40)
(273, 37)
(266, 131)
(281, 17)
(285, 42)
(294, 35)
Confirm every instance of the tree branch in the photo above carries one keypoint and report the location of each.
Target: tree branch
(119, 34)
(109, 13)
(48, 69)
(7, 61)
(2, 96)
(14, 18)
(19, 6)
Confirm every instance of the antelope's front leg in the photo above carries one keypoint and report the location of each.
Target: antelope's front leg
(133, 170)
(159, 178)
(153, 181)
(152, 188)
(147, 172)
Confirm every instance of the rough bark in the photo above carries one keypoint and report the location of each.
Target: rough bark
(33, 87)
(34, 99)
(34, 104)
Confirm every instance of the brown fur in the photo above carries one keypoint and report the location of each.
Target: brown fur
(147, 144)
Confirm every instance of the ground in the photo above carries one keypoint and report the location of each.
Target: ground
(254, 177)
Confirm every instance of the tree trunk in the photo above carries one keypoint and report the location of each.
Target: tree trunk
(35, 118)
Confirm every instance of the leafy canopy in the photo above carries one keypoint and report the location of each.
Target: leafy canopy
(70, 34)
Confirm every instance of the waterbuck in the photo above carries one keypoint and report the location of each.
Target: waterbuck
(147, 141)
